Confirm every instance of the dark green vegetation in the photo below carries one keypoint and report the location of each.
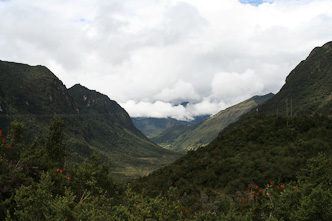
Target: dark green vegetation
(154, 126)
(285, 153)
(36, 183)
(33, 95)
(260, 150)
(308, 87)
(185, 137)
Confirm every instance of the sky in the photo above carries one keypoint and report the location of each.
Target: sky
(152, 55)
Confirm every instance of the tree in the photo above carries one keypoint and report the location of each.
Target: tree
(55, 142)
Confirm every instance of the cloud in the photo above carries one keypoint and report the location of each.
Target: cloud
(155, 54)
(182, 91)
(158, 109)
(234, 87)
(181, 22)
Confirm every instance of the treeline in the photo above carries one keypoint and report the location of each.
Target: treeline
(268, 168)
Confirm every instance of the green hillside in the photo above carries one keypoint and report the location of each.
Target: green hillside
(254, 147)
(259, 151)
(94, 123)
(185, 137)
(153, 126)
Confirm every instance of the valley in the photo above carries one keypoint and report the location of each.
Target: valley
(182, 138)
(75, 154)
(94, 123)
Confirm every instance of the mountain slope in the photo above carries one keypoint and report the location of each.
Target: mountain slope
(33, 95)
(21, 83)
(153, 126)
(261, 149)
(308, 87)
(182, 138)
(109, 127)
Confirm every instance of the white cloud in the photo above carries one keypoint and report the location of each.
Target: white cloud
(206, 106)
(211, 52)
(182, 91)
(234, 87)
(158, 109)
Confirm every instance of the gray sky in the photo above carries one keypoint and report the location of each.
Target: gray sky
(149, 55)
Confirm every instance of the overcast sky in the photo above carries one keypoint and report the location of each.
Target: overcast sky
(150, 55)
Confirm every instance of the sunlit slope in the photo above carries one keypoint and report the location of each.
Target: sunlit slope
(185, 137)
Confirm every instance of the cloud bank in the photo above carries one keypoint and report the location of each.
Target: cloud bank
(152, 55)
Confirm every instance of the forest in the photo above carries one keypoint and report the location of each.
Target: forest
(227, 180)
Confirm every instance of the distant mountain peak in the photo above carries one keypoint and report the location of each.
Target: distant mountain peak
(185, 104)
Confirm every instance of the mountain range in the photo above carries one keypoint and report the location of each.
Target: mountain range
(94, 123)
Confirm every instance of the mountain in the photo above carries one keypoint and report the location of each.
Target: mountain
(94, 123)
(31, 93)
(271, 151)
(308, 87)
(153, 126)
(184, 137)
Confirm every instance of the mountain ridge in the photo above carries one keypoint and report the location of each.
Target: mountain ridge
(307, 87)
(95, 123)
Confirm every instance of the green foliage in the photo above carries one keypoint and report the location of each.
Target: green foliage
(315, 202)
(40, 202)
(305, 199)
(92, 178)
(55, 142)
(15, 135)
(138, 207)
(35, 187)
(261, 149)
(20, 164)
